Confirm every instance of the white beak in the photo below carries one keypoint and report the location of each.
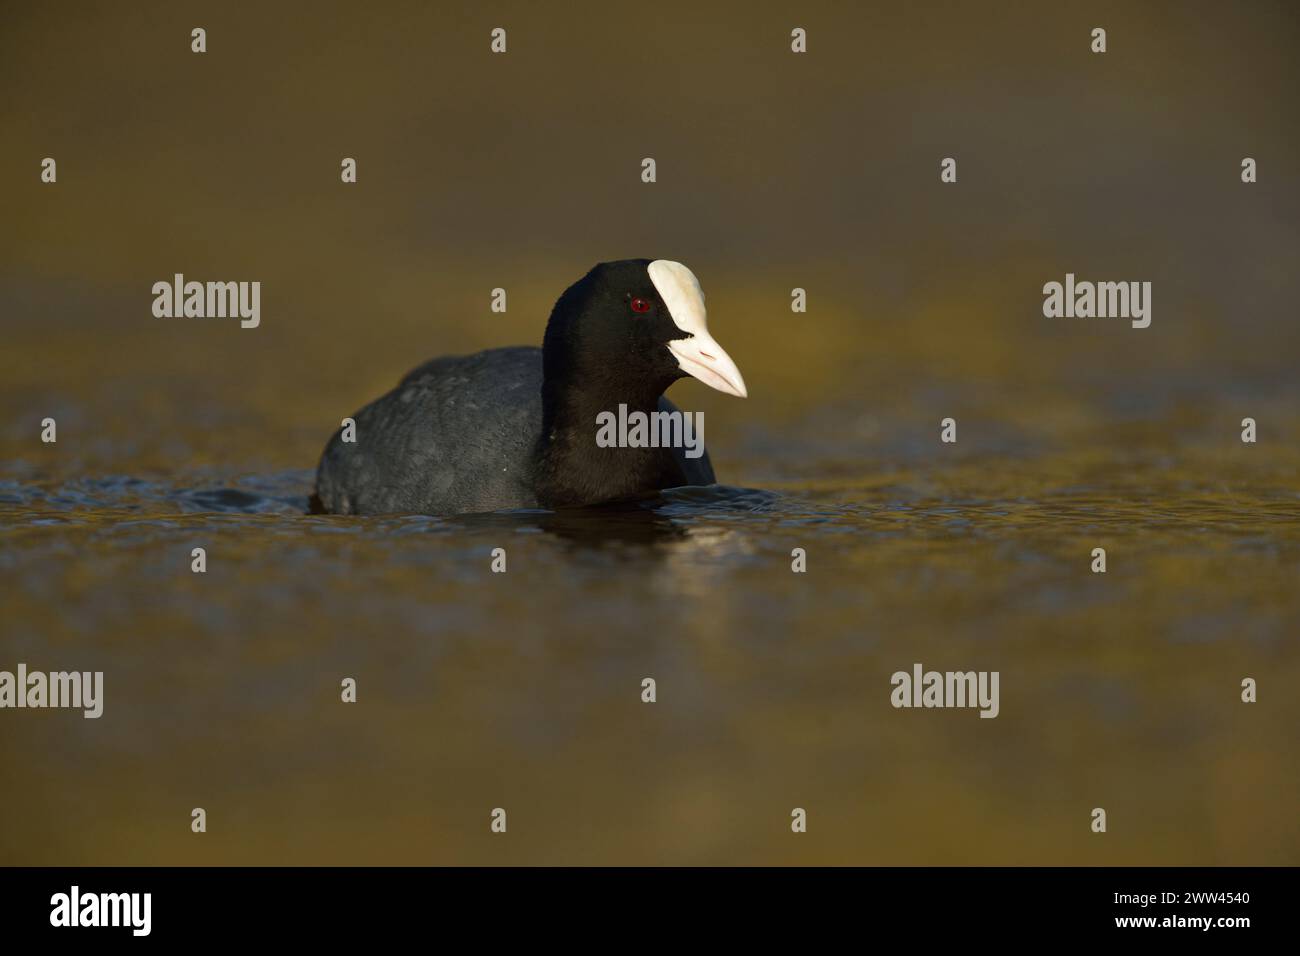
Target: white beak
(702, 357)
(698, 353)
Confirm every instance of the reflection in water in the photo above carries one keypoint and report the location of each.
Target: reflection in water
(596, 527)
(648, 521)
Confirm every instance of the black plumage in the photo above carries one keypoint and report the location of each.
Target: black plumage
(516, 427)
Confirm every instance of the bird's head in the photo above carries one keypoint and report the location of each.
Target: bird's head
(636, 323)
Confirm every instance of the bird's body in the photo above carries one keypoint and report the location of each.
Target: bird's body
(463, 434)
(517, 427)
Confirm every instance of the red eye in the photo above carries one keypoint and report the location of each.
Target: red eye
(640, 305)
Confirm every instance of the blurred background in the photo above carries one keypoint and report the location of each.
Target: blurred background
(775, 171)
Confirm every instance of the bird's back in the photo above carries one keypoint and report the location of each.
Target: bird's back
(458, 434)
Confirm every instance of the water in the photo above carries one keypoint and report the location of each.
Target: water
(522, 690)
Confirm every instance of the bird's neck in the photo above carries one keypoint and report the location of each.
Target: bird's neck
(573, 469)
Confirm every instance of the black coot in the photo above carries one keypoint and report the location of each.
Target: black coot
(517, 427)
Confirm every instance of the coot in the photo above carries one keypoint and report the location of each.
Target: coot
(517, 427)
